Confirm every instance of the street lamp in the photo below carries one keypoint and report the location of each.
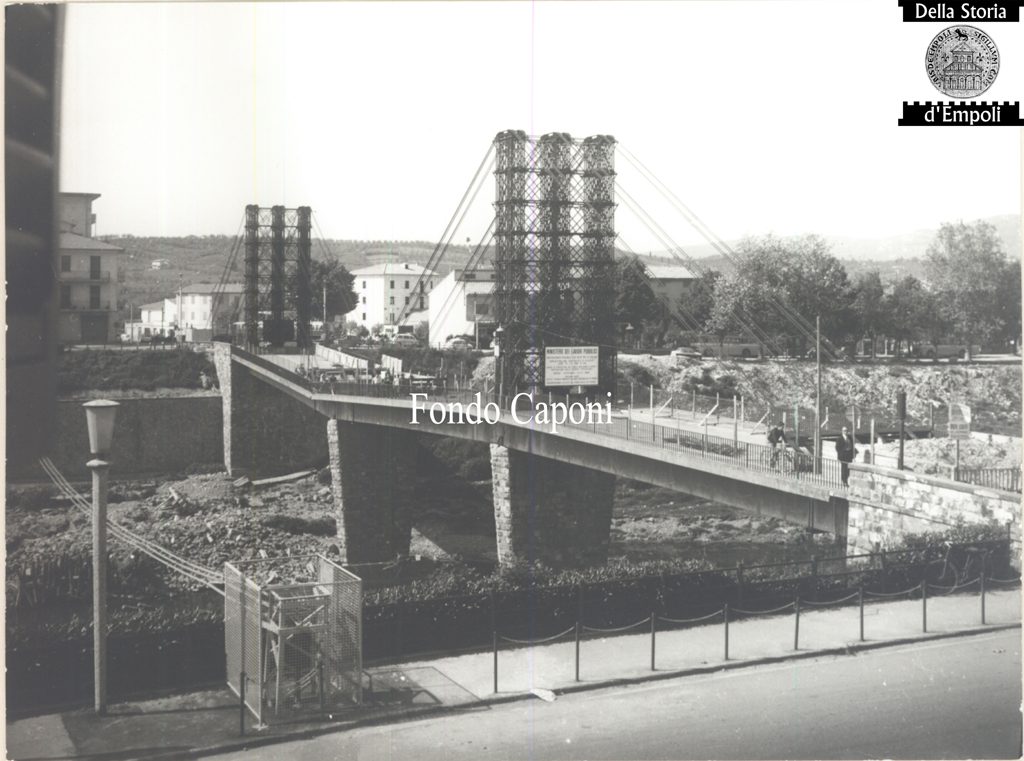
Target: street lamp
(99, 416)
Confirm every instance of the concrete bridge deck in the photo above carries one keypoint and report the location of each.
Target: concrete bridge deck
(553, 487)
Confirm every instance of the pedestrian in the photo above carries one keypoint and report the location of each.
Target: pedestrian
(846, 450)
(777, 440)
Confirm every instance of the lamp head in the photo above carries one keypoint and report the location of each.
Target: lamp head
(99, 415)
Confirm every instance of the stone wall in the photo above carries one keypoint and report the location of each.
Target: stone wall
(550, 511)
(886, 504)
(151, 435)
(373, 480)
(265, 431)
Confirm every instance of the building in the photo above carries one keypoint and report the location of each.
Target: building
(89, 275)
(383, 290)
(671, 282)
(962, 73)
(462, 304)
(150, 323)
(203, 310)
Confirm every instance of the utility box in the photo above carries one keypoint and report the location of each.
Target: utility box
(293, 636)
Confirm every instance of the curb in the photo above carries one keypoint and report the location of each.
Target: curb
(369, 721)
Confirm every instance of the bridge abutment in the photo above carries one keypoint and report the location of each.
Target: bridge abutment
(265, 432)
(549, 511)
(373, 472)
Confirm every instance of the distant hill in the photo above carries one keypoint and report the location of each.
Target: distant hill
(202, 259)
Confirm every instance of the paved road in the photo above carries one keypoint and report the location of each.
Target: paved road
(955, 698)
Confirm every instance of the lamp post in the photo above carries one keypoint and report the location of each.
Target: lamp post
(99, 415)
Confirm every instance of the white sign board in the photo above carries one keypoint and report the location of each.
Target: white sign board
(959, 421)
(570, 365)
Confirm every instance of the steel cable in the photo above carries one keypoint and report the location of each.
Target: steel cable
(537, 641)
(691, 620)
(617, 628)
(761, 612)
(830, 602)
(914, 588)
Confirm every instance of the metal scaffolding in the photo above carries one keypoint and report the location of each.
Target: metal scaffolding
(554, 250)
(278, 276)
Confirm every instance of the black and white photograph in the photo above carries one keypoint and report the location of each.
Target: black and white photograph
(534, 379)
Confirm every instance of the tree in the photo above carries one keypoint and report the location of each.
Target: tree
(965, 264)
(869, 306)
(1008, 304)
(635, 303)
(341, 298)
(907, 310)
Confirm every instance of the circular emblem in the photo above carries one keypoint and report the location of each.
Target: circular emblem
(962, 61)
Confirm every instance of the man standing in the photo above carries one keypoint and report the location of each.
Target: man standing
(777, 440)
(846, 450)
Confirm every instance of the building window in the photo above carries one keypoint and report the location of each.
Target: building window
(406, 299)
(94, 297)
(421, 302)
(481, 309)
(392, 300)
(392, 284)
(65, 297)
(406, 285)
(364, 299)
(94, 267)
(65, 264)
(364, 316)
(364, 285)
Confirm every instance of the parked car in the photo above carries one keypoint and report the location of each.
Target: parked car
(458, 342)
(405, 339)
(684, 352)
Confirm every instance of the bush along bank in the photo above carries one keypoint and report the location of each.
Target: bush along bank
(460, 609)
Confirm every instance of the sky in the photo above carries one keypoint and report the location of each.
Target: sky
(762, 116)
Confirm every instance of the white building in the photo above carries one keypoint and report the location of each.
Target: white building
(383, 290)
(671, 281)
(462, 302)
(90, 275)
(150, 323)
(204, 309)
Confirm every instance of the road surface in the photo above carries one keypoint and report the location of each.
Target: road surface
(957, 698)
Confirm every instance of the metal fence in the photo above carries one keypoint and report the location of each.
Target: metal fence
(1006, 479)
(292, 636)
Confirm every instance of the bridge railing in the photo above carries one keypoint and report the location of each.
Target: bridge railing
(1006, 479)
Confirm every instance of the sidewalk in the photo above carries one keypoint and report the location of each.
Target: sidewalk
(208, 722)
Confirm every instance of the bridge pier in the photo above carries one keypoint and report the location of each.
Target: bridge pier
(266, 433)
(373, 472)
(549, 511)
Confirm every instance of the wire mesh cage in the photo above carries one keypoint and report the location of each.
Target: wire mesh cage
(293, 636)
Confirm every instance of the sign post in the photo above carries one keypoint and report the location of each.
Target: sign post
(959, 428)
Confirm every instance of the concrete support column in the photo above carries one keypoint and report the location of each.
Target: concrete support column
(266, 432)
(548, 511)
(373, 471)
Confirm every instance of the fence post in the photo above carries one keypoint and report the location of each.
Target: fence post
(860, 602)
(814, 571)
(693, 408)
(577, 650)
(320, 680)
(725, 612)
(796, 623)
(924, 605)
(241, 702)
(494, 637)
(654, 620)
(739, 581)
(983, 595)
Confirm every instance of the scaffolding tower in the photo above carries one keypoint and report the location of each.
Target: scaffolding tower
(554, 251)
(278, 276)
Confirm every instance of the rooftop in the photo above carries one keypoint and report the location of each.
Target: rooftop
(213, 288)
(390, 268)
(152, 307)
(670, 272)
(91, 196)
(75, 242)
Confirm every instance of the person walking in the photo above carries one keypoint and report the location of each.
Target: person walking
(846, 450)
(777, 440)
